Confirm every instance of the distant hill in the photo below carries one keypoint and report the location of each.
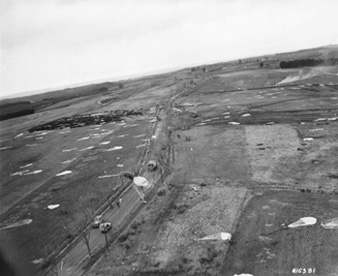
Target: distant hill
(33, 103)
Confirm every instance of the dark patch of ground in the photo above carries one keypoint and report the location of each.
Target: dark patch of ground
(85, 120)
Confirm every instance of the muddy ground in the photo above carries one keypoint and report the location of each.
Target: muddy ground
(242, 150)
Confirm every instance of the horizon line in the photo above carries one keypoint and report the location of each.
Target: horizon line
(140, 75)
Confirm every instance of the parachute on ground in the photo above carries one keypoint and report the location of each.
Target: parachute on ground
(53, 206)
(305, 221)
(138, 181)
(330, 223)
(219, 236)
(17, 224)
(141, 181)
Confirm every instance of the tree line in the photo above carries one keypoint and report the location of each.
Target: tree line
(17, 109)
(308, 63)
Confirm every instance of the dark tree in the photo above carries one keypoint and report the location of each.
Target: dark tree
(85, 208)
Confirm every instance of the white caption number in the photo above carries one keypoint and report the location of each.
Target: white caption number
(304, 270)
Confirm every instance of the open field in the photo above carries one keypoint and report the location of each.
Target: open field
(94, 155)
(241, 149)
(262, 248)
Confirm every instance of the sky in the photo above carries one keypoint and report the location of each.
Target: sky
(55, 43)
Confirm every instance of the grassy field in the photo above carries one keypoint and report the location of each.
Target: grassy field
(262, 248)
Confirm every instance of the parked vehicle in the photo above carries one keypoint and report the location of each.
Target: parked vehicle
(105, 227)
(97, 221)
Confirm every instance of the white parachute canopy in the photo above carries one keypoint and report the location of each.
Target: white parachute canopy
(18, 223)
(64, 173)
(330, 223)
(219, 236)
(141, 181)
(53, 206)
(303, 222)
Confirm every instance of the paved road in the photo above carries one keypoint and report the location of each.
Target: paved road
(72, 263)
